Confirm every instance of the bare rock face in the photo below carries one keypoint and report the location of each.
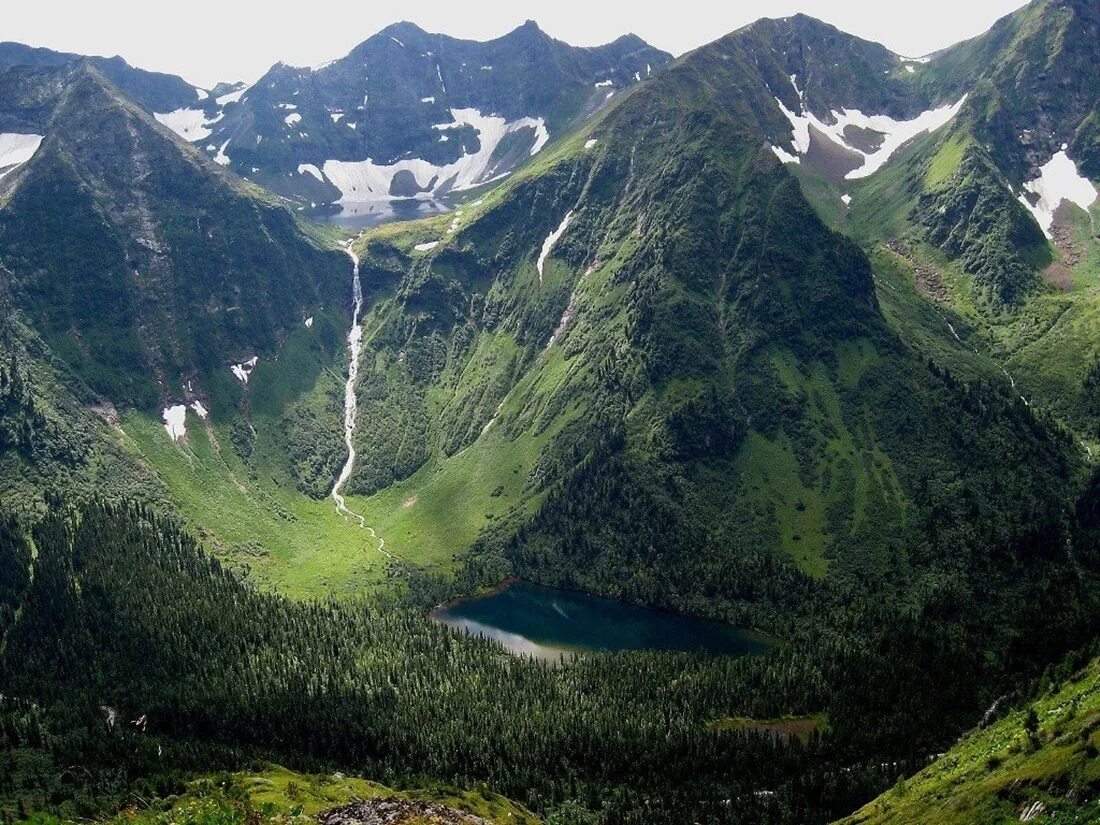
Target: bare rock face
(394, 811)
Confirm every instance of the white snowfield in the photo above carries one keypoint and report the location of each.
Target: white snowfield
(189, 124)
(242, 371)
(551, 240)
(17, 148)
(427, 246)
(231, 97)
(222, 159)
(174, 421)
(310, 169)
(200, 410)
(896, 133)
(364, 180)
(785, 156)
(1058, 181)
(292, 118)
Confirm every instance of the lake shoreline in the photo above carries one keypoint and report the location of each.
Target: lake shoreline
(525, 616)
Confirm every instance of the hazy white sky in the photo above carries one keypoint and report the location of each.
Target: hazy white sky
(240, 39)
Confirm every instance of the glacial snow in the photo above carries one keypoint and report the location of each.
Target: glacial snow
(174, 421)
(551, 240)
(189, 124)
(364, 180)
(17, 148)
(895, 132)
(1058, 181)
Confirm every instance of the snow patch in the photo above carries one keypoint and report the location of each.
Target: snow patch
(427, 100)
(17, 148)
(310, 169)
(189, 124)
(336, 116)
(426, 247)
(784, 155)
(309, 322)
(909, 68)
(222, 159)
(174, 421)
(361, 181)
(895, 133)
(847, 199)
(292, 118)
(1058, 181)
(551, 240)
(588, 144)
(244, 370)
(604, 83)
(201, 93)
(200, 410)
(398, 42)
(231, 97)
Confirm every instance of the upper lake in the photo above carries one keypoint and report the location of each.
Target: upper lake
(546, 623)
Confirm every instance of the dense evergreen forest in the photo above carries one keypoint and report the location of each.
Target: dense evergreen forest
(129, 652)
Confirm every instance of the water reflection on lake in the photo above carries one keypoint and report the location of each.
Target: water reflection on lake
(548, 624)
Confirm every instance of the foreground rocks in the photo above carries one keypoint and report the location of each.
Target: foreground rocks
(394, 811)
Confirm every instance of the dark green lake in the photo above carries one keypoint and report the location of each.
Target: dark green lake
(546, 623)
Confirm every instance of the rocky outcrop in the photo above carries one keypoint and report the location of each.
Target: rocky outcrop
(396, 811)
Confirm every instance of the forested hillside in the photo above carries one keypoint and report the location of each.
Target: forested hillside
(793, 333)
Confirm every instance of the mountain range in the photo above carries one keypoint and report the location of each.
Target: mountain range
(792, 332)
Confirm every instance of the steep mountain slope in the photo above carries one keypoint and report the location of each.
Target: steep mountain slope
(684, 396)
(994, 215)
(146, 268)
(407, 113)
(56, 436)
(624, 372)
(156, 91)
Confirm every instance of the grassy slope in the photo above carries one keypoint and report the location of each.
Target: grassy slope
(277, 795)
(251, 514)
(992, 775)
